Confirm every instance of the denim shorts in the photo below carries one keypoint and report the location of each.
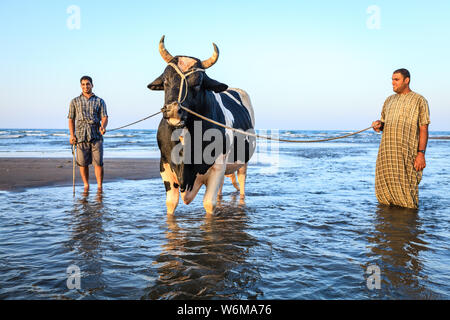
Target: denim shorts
(90, 153)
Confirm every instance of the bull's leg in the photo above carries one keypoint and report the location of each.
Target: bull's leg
(172, 197)
(213, 183)
(242, 176)
(219, 194)
(172, 189)
(189, 195)
(233, 180)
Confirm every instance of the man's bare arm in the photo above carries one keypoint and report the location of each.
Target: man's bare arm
(419, 163)
(72, 139)
(103, 125)
(423, 137)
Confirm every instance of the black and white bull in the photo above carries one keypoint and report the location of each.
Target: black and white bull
(195, 152)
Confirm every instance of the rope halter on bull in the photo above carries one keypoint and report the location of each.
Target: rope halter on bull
(168, 58)
(183, 81)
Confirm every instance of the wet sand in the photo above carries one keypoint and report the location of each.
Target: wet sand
(20, 173)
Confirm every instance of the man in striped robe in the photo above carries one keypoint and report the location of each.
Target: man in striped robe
(401, 157)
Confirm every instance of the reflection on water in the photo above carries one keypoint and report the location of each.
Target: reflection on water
(208, 261)
(86, 226)
(397, 245)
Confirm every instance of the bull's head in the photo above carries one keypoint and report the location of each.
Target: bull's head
(185, 82)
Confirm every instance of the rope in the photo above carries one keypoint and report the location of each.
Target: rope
(184, 80)
(180, 101)
(243, 132)
(182, 98)
(267, 137)
(150, 116)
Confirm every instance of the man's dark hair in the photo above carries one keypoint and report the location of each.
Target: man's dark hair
(404, 73)
(86, 78)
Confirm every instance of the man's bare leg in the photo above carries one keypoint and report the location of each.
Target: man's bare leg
(84, 172)
(99, 176)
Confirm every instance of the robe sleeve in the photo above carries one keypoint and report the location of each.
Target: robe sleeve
(424, 112)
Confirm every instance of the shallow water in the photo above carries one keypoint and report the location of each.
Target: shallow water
(309, 229)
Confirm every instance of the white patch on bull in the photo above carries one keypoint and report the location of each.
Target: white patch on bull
(183, 134)
(229, 119)
(245, 102)
(213, 183)
(168, 174)
(232, 97)
(239, 103)
(185, 63)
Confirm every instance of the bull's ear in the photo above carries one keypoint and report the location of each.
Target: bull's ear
(211, 84)
(158, 84)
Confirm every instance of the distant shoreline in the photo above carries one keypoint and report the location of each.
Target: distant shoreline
(17, 174)
(156, 129)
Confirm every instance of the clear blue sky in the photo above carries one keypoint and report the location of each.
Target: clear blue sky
(305, 64)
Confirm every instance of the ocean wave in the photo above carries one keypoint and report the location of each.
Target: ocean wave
(294, 135)
(119, 135)
(12, 136)
(60, 134)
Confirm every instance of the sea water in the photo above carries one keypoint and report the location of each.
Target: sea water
(310, 227)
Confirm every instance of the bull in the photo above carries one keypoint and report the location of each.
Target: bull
(196, 152)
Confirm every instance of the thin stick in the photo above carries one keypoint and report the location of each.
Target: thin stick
(73, 171)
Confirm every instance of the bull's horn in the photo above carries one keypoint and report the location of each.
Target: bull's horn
(164, 53)
(208, 63)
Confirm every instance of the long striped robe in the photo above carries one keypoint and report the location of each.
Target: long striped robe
(396, 180)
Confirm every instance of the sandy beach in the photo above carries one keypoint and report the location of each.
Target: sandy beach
(21, 173)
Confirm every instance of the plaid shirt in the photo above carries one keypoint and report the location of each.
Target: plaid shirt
(87, 114)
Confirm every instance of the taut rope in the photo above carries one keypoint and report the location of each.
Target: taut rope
(150, 116)
(182, 97)
(243, 132)
(267, 137)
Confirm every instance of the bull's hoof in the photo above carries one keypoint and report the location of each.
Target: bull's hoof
(170, 209)
(209, 207)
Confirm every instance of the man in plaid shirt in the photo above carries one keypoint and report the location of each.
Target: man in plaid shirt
(88, 119)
